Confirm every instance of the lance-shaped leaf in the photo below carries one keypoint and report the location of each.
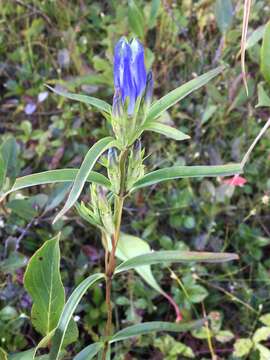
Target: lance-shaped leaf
(179, 93)
(171, 256)
(166, 130)
(95, 102)
(67, 313)
(89, 351)
(177, 172)
(55, 176)
(265, 53)
(147, 327)
(89, 161)
(43, 282)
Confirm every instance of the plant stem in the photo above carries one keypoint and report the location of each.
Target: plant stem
(110, 262)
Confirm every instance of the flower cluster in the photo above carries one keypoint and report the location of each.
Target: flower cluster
(131, 83)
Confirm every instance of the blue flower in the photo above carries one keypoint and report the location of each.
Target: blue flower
(129, 71)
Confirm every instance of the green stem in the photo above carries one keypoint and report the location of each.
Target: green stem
(110, 263)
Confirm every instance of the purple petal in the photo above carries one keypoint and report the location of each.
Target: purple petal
(138, 66)
(30, 108)
(42, 96)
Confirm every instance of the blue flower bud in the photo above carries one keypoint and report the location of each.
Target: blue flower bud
(112, 157)
(129, 71)
(117, 108)
(149, 89)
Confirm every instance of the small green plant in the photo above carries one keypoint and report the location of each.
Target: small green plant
(133, 113)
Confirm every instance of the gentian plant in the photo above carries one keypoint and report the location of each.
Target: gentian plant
(133, 112)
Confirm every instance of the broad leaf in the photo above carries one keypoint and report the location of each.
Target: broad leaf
(67, 313)
(265, 53)
(179, 93)
(130, 246)
(97, 103)
(55, 176)
(166, 130)
(89, 161)
(89, 351)
(177, 172)
(144, 328)
(43, 282)
(164, 257)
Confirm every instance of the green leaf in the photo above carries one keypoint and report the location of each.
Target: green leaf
(89, 161)
(68, 311)
(2, 171)
(136, 19)
(3, 354)
(55, 176)
(155, 6)
(265, 53)
(13, 263)
(43, 282)
(27, 355)
(264, 352)
(224, 14)
(171, 256)
(261, 334)
(166, 130)
(263, 98)
(265, 319)
(177, 172)
(129, 246)
(242, 347)
(9, 152)
(144, 328)
(89, 351)
(97, 103)
(179, 93)
(224, 336)
(255, 37)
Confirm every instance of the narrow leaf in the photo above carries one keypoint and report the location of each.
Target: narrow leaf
(179, 93)
(43, 282)
(3, 354)
(89, 351)
(177, 172)
(68, 311)
(166, 130)
(144, 328)
(164, 257)
(55, 176)
(89, 161)
(255, 37)
(265, 53)
(224, 14)
(136, 18)
(263, 98)
(97, 103)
